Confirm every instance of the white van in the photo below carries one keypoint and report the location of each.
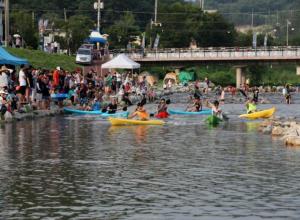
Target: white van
(84, 56)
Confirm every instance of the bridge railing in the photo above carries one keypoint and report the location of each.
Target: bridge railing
(204, 53)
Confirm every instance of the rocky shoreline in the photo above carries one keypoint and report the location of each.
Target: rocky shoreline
(31, 115)
(55, 110)
(287, 130)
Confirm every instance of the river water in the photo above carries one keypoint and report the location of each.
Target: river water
(82, 168)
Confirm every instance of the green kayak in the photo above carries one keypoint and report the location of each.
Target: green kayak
(213, 120)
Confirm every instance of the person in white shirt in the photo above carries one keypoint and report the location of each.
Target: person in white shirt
(3, 77)
(21, 89)
(119, 80)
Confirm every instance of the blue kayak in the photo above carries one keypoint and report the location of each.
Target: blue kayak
(116, 115)
(60, 96)
(182, 112)
(81, 112)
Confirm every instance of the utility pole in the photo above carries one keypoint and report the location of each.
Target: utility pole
(1, 20)
(252, 20)
(288, 23)
(99, 15)
(155, 23)
(155, 12)
(201, 4)
(6, 12)
(33, 18)
(65, 14)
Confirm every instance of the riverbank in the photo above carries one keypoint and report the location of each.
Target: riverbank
(55, 110)
(31, 115)
(234, 106)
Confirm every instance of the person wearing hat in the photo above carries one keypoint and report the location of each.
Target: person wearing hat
(3, 102)
(4, 77)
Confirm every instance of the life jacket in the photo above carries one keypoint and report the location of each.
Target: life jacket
(142, 115)
(251, 108)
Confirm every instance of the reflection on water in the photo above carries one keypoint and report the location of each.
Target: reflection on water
(72, 168)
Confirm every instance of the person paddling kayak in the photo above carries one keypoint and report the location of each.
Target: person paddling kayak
(162, 109)
(197, 105)
(140, 113)
(216, 110)
(112, 107)
(251, 106)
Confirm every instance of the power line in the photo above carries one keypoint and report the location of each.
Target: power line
(267, 13)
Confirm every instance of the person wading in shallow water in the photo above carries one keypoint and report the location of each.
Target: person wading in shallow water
(287, 94)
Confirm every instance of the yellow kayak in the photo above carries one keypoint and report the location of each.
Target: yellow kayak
(122, 121)
(260, 114)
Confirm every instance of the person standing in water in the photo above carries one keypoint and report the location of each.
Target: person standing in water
(287, 94)
(255, 94)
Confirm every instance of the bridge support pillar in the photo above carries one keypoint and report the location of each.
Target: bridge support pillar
(240, 77)
(298, 70)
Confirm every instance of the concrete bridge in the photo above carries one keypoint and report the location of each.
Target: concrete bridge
(238, 57)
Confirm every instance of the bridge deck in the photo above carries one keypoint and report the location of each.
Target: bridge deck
(236, 54)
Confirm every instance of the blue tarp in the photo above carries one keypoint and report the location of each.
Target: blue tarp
(7, 58)
(93, 40)
(96, 37)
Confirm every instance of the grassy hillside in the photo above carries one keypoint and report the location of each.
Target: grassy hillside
(40, 59)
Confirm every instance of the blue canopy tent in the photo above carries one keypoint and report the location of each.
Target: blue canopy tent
(96, 37)
(7, 58)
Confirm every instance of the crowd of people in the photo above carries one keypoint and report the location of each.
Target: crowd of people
(31, 88)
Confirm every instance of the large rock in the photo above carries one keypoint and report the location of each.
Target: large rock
(267, 130)
(266, 123)
(293, 141)
(8, 117)
(278, 131)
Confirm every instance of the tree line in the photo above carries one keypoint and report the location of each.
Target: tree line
(125, 21)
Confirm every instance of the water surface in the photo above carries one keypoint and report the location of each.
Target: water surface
(82, 168)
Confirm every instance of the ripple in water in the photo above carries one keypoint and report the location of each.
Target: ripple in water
(72, 168)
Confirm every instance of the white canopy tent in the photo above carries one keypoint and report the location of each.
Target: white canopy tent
(121, 62)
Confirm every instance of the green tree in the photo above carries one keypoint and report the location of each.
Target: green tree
(77, 29)
(23, 24)
(123, 30)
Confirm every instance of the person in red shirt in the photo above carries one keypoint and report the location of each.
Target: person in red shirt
(127, 88)
(56, 74)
